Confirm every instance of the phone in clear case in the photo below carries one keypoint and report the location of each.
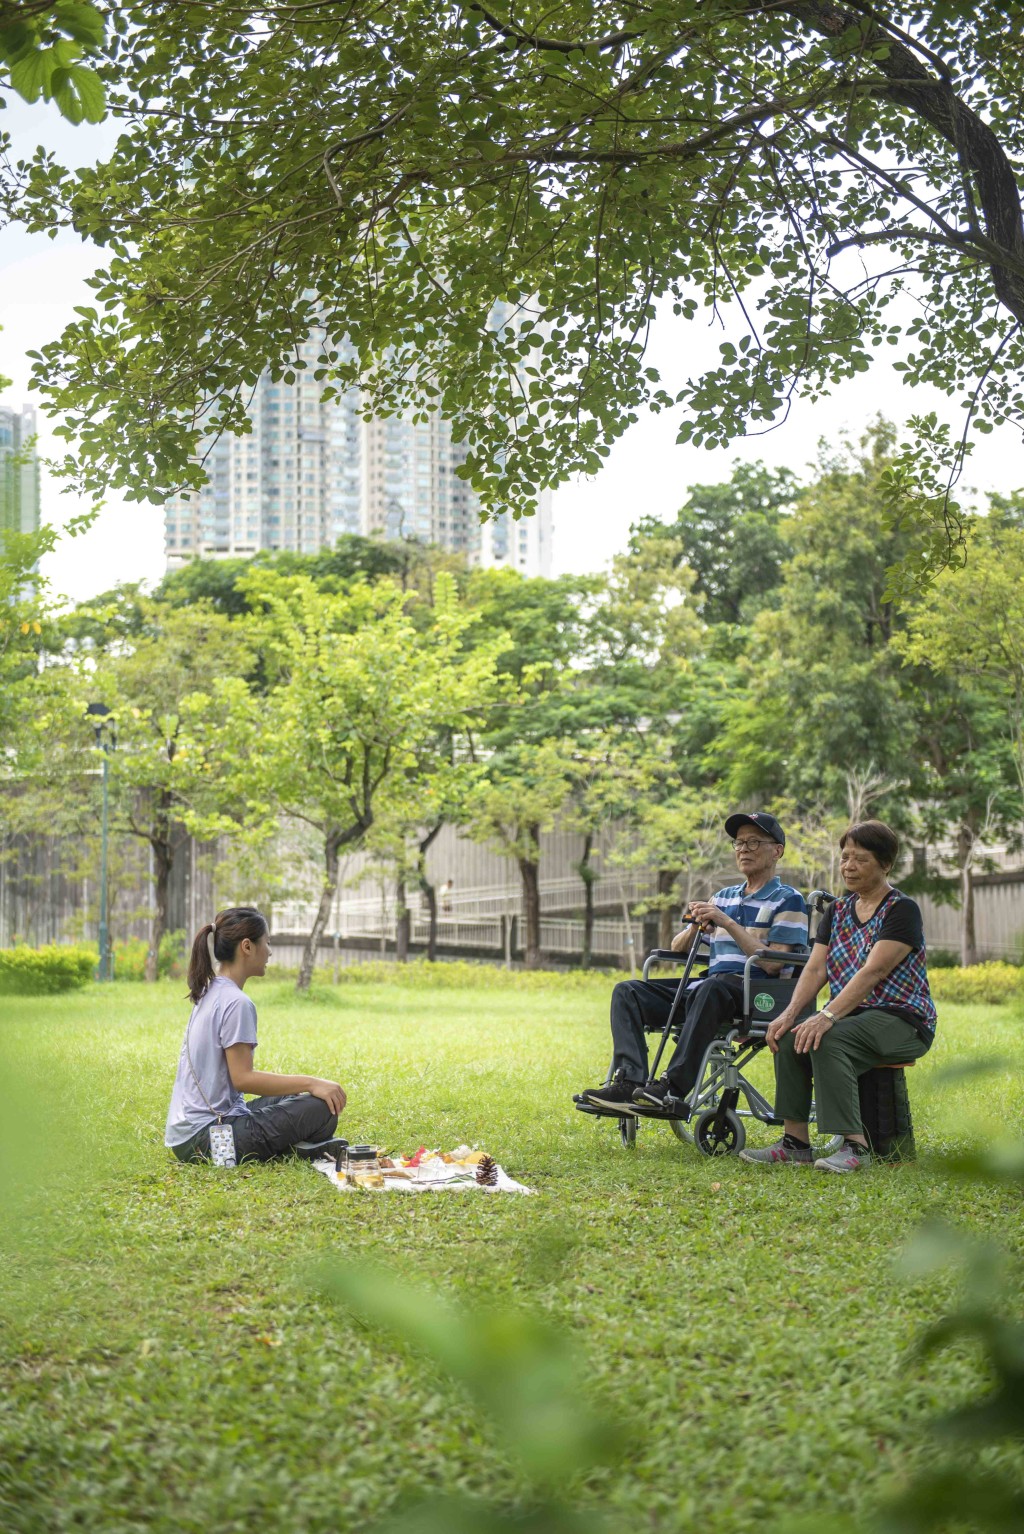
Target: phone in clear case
(222, 1145)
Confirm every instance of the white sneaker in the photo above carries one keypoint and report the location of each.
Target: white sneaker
(850, 1157)
(779, 1154)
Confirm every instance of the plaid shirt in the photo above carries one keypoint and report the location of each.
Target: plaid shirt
(905, 987)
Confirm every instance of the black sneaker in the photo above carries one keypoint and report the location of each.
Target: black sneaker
(616, 1096)
(313, 1150)
(659, 1101)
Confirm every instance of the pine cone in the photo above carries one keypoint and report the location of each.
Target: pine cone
(487, 1172)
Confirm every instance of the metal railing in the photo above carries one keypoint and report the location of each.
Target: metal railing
(357, 914)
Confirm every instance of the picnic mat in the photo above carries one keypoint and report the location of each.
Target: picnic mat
(427, 1171)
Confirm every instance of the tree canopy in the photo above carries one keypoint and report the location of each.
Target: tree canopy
(384, 176)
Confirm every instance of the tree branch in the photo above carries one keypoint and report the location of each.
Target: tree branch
(550, 44)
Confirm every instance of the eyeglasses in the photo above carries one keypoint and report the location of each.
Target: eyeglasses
(751, 846)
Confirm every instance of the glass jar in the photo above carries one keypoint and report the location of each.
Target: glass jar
(363, 1168)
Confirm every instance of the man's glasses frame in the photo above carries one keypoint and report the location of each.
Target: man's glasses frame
(752, 846)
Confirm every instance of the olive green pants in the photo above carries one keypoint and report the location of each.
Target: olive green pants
(854, 1045)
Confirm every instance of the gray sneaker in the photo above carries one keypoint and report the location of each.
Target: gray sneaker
(850, 1157)
(780, 1154)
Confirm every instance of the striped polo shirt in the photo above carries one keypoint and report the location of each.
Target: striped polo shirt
(776, 912)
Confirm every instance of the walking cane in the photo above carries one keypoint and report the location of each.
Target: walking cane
(677, 998)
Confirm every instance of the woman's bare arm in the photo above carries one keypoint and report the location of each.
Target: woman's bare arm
(244, 1078)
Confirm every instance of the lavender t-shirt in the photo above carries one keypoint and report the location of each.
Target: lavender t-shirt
(222, 1016)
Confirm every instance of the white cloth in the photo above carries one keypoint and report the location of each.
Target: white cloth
(434, 1175)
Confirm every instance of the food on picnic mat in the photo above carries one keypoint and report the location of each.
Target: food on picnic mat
(367, 1166)
(462, 1155)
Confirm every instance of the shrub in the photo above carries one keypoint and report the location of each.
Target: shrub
(130, 957)
(942, 958)
(462, 972)
(421, 973)
(43, 971)
(174, 951)
(993, 983)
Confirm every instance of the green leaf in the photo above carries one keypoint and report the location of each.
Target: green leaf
(79, 20)
(30, 76)
(64, 95)
(89, 89)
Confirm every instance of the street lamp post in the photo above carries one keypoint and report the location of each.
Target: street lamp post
(106, 740)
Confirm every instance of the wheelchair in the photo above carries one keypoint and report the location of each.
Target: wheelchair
(715, 1124)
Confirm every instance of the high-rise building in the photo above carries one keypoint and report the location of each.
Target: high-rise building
(310, 471)
(19, 470)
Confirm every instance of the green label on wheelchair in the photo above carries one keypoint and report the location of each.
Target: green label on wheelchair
(763, 1001)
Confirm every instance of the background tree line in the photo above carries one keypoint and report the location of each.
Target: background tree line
(744, 652)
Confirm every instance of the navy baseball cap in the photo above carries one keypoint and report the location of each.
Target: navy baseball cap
(762, 820)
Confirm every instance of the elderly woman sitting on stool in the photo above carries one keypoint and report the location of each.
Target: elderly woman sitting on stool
(869, 947)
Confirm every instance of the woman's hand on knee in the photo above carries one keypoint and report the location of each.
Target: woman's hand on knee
(776, 1028)
(328, 1092)
(809, 1034)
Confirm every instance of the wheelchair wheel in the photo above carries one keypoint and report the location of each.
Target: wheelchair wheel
(680, 1130)
(712, 1142)
(627, 1128)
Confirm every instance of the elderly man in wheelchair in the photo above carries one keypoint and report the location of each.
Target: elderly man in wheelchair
(743, 920)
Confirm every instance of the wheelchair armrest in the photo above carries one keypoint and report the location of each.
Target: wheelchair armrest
(772, 956)
(666, 956)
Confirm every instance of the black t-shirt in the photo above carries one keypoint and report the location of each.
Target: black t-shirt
(901, 924)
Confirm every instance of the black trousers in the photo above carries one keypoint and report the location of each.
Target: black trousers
(640, 1007)
(270, 1128)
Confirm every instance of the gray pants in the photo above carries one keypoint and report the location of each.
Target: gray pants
(851, 1047)
(270, 1128)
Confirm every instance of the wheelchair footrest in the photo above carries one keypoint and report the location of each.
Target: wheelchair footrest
(582, 1106)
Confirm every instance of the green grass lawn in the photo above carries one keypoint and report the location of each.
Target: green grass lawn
(169, 1363)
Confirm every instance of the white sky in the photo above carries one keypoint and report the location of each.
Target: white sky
(42, 279)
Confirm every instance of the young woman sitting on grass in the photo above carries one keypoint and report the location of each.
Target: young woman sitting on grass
(215, 1067)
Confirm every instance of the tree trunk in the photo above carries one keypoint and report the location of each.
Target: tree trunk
(528, 872)
(403, 924)
(965, 858)
(331, 845)
(627, 917)
(586, 872)
(666, 886)
(163, 862)
(427, 889)
(430, 896)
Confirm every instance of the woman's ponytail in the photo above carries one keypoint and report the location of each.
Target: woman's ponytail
(217, 943)
(200, 970)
